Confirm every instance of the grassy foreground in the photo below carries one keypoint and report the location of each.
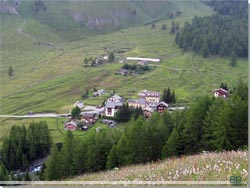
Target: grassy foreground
(201, 167)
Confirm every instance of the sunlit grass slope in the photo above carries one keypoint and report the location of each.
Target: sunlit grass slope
(49, 76)
(201, 167)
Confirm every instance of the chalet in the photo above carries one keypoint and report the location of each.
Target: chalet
(89, 118)
(99, 92)
(152, 97)
(136, 103)
(147, 112)
(112, 107)
(161, 107)
(115, 98)
(70, 126)
(79, 104)
(220, 93)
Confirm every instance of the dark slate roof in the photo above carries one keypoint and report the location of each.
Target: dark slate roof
(132, 100)
(71, 123)
(148, 109)
(110, 104)
(162, 102)
(137, 101)
(149, 93)
(221, 89)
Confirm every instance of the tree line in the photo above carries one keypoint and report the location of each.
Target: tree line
(168, 96)
(136, 68)
(24, 145)
(223, 34)
(80, 155)
(210, 124)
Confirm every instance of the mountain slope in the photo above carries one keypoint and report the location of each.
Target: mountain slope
(49, 72)
(202, 167)
(72, 20)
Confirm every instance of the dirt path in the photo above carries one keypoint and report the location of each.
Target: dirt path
(21, 28)
(35, 39)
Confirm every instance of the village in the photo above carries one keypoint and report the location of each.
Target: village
(148, 101)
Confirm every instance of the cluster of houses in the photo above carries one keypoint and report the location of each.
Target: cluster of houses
(87, 119)
(148, 101)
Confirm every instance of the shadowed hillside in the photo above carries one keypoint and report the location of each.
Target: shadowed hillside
(72, 20)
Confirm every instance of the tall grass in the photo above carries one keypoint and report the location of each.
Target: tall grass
(214, 166)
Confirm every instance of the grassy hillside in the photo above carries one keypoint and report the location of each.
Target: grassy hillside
(202, 167)
(72, 20)
(56, 127)
(49, 73)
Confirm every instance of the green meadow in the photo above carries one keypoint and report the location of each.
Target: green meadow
(49, 73)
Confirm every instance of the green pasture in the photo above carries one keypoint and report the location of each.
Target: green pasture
(51, 78)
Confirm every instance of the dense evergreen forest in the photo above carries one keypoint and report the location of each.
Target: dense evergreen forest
(224, 34)
(210, 124)
(23, 146)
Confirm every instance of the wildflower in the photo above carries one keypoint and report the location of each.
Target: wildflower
(237, 165)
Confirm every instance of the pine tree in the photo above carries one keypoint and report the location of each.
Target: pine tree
(241, 90)
(171, 146)
(113, 158)
(111, 57)
(137, 112)
(53, 169)
(177, 38)
(10, 71)
(85, 61)
(3, 173)
(168, 98)
(124, 114)
(75, 112)
(210, 120)
(238, 122)
(164, 95)
(194, 127)
(153, 26)
(158, 133)
(177, 26)
(222, 129)
(233, 59)
(173, 97)
(205, 51)
(67, 152)
(225, 87)
(164, 27)
(27, 177)
(172, 27)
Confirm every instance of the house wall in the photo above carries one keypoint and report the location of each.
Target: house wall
(147, 113)
(152, 100)
(161, 108)
(110, 112)
(70, 127)
(136, 105)
(111, 99)
(219, 94)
